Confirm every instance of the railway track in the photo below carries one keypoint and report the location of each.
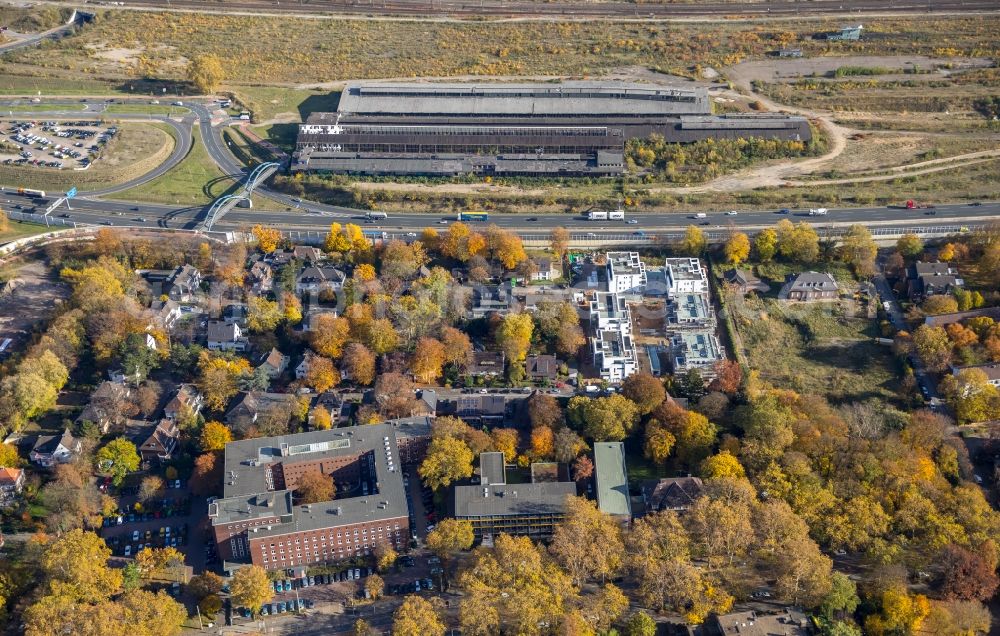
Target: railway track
(521, 9)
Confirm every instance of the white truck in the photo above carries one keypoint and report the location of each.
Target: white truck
(598, 215)
(700, 215)
(818, 212)
(617, 215)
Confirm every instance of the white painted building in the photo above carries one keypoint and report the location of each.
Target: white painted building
(685, 276)
(609, 311)
(626, 273)
(614, 355)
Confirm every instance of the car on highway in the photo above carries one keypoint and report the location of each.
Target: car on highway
(931, 212)
(732, 213)
(531, 219)
(140, 219)
(633, 221)
(411, 234)
(296, 200)
(64, 215)
(706, 223)
(784, 211)
(106, 223)
(134, 208)
(443, 222)
(976, 204)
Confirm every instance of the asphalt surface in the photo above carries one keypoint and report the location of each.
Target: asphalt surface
(306, 216)
(505, 8)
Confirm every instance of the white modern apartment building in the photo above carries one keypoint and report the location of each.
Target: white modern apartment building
(609, 311)
(626, 273)
(614, 355)
(685, 276)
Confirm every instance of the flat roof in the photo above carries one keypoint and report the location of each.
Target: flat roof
(685, 269)
(700, 346)
(250, 489)
(492, 469)
(543, 498)
(537, 100)
(611, 477)
(625, 263)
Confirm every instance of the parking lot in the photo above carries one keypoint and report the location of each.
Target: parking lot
(61, 145)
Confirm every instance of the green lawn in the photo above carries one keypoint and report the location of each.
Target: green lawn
(294, 104)
(16, 230)
(194, 181)
(22, 85)
(40, 108)
(821, 348)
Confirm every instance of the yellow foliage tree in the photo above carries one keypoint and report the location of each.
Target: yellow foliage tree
(737, 248)
(206, 72)
(215, 436)
(267, 238)
(514, 336)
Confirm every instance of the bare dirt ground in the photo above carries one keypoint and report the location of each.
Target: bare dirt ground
(791, 69)
(37, 293)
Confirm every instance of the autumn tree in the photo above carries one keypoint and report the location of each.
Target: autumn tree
(76, 565)
(506, 440)
(358, 364)
(542, 443)
(428, 360)
(765, 244)
(206, 478)
(321, 375)
(933, 347)
(645, 390)
(559, 242)
(394, 395)
(375, 585)
(118, 458)
(214, 436)
(694, 241)
(723, 464)
(967, 575)
(544, 410)
(900, 613)
(329, 335)
(659, 443)
(251, 587)
(504, 247)
(728, 377)
(567, 445)
(858, 249)
(267, 238)
(737, 248)
(448, 459)
(910, 245)
(385, 556)
(218, 378)
(574, 538)
(417, 617)
(205, 72)
(150, 488)
(457, 347)
(9, 457)
(450, 536)
(939, 304)
(972, 395)
(798, 243)
(263, 315)
(461, 243)
(513, 336)
(315, 487)
(694, 434)
(205, 584)
(608, 418)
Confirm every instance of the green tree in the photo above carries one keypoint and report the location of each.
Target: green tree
(858, 250)
(118, 458)
(605, 418)
(640, 624)
(842, 599)
(766, 244)
(910, 245)
(205, 72)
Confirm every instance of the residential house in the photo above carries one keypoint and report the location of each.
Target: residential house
(809, 287)
(11, 485)
(302, 370)
(546, 269)
(544, 368)
(486, 364)
(161, 443)
(235, 314)
(165, 313)
(260, 277)
(611, 480)
(745, 281)
(334, 404)
(626, 273)
(792, 622)
(50, 450)
(308, 253)
(930, 279)
(223, 336)
(248, 408)
(488, 299)
(427, 401)
(991, 370)
(107, 405)
(485, 408)
(315, 278)
(273, 363)
(183, 284)
(609, 311)
(696, 350)
(943, 320)
(670, 493)
(187, 399)
(685, 276)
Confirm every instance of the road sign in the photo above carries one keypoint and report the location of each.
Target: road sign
(71, 193)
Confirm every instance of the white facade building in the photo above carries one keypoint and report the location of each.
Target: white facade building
(626, 273)
(608, 311)
(614, 355)
(685, 276)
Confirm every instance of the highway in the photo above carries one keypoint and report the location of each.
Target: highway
(95, 207)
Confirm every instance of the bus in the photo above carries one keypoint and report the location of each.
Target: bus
(376, 216)
(28, 192)
(473, 216)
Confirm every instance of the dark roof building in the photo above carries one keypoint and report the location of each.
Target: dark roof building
(486, 363)
(542, 368)
(571, 128)
(942, 320)
(809, 287)
(791, 623)
(161, 443)
(929, 279)
(50, 450)
(745, 281)
(258, 520)
(673, 493)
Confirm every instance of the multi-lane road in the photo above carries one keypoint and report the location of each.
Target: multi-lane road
(107, 207)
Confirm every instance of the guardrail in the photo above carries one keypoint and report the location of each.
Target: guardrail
(86, 232)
